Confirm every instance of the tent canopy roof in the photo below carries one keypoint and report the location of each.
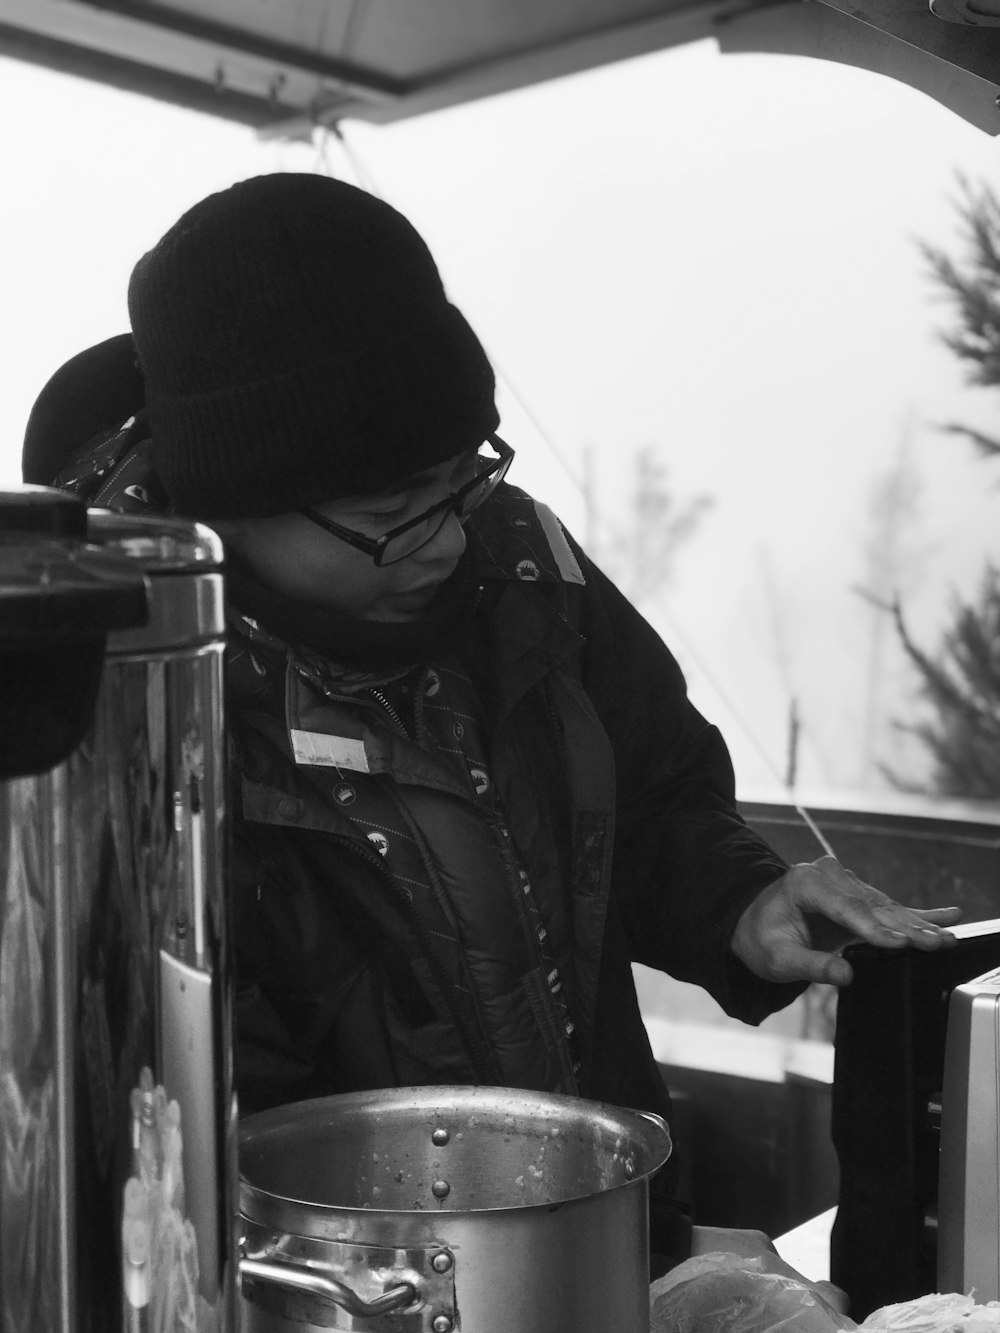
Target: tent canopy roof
(283, 66)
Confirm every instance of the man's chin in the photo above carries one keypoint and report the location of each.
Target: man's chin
(404, 608)
(397, 615)
(394, 617)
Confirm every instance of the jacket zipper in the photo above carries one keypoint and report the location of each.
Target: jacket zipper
(374, 693)
(384, 703)
(481, 1053)
(546, 1010)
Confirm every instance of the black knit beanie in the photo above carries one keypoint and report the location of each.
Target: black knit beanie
(297, 346)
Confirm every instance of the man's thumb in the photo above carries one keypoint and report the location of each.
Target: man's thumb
(810, 965)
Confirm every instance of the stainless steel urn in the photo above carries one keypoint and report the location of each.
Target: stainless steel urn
(117, 1115)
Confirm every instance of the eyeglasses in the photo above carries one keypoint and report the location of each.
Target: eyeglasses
(408, 538)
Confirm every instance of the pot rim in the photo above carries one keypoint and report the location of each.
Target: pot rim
(648, 1131)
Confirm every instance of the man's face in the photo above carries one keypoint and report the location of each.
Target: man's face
(292, 555)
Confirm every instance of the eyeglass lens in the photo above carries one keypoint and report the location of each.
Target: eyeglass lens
(408, 542)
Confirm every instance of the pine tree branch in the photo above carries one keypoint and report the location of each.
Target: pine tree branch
(985, 444)
(936, 680)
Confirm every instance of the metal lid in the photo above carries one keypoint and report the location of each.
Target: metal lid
(157, 545)
(42, 511)
(182, 562)
(54, 587)
(57, 593)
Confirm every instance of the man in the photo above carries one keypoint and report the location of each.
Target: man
(468, 789)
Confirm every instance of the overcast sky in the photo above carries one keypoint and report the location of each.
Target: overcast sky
(712, 256)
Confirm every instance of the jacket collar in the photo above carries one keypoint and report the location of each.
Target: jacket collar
(529, 571)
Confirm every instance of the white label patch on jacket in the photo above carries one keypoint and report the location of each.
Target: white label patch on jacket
(315, 747)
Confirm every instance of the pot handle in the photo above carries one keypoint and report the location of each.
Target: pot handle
(306, 1278)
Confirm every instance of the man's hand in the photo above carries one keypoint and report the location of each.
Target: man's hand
(794, 929)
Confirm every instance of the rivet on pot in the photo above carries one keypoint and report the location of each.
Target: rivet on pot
(442, 1323)
(440, 1189)
(440, 1137)
(442, 1261)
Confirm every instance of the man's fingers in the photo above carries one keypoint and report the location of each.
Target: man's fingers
(792, 964)
(869, 915)
(833, 970)
(921, 928)
(944, 916)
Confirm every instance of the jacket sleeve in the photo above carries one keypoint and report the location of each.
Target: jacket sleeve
(686, 863)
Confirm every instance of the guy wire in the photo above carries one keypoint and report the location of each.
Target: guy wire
(367, 181)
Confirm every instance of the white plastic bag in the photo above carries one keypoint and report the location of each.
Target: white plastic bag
(727, 1293)
(937, 1313)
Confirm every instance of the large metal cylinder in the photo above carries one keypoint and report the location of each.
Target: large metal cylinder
(117, 1115)
(442, 1209)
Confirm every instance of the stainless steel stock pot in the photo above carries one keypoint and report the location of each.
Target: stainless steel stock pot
(488, 1210)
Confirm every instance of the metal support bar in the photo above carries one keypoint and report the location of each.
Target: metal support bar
(132, 77)
(354, 78)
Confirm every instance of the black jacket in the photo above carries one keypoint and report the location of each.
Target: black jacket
(467, 909)
(381, 935)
